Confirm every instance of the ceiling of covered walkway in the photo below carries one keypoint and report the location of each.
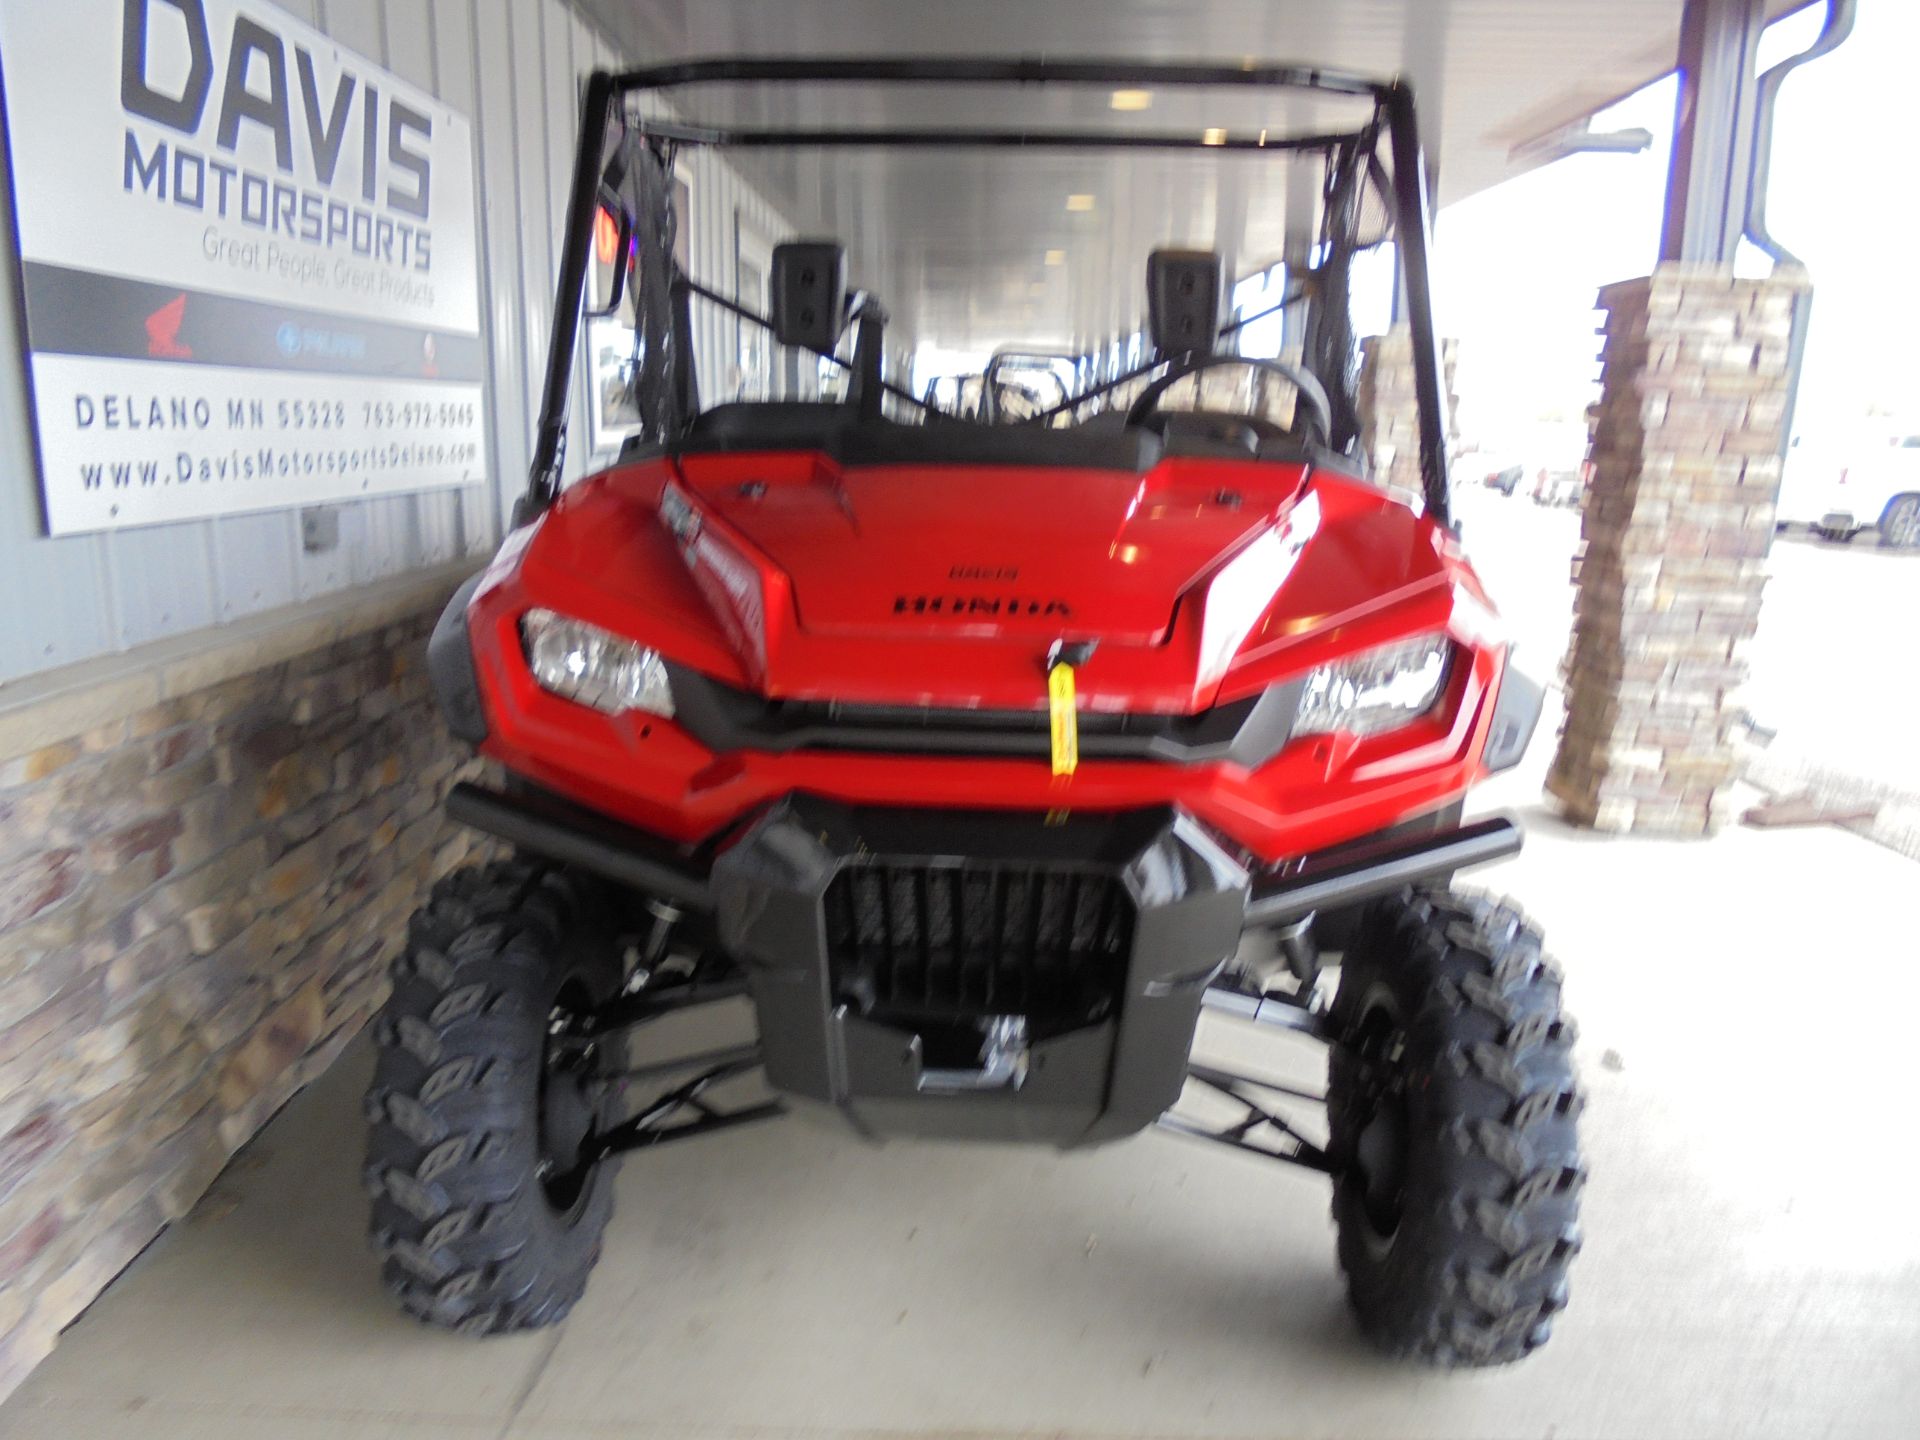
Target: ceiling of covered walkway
(979, 247)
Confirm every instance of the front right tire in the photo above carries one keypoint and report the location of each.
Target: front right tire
(1452, 1106)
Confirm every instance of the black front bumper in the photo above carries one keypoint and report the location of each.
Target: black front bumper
(980, 974)
(1092, 942)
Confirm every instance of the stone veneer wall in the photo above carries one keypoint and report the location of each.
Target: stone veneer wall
(1679, 515)
(198, 898)
(1390, 410)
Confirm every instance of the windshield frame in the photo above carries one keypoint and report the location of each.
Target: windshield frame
(606, 102)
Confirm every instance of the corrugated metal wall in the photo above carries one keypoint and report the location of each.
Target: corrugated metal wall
(513, 67)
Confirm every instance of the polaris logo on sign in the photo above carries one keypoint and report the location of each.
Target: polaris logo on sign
(227, 214)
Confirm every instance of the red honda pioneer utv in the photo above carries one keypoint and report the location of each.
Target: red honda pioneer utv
(982, 756)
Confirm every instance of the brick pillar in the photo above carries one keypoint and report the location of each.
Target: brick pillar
(1389, 410)
(1679, 513)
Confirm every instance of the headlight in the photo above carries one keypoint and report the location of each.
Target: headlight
(1375, 691)
(594, 666)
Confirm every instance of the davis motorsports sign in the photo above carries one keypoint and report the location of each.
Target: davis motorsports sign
(249, 263)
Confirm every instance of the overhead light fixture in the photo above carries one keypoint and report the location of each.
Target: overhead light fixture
(1080, 204)
(1213, 135)
(1131, 99)
(1036, 287)
(1056, 257)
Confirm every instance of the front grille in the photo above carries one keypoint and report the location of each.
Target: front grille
(837, 724)
(725, 719)
(921, 941)
(802, 714)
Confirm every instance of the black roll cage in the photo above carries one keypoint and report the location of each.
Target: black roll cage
(1354, 153)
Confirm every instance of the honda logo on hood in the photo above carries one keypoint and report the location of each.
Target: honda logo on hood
(1008, 606)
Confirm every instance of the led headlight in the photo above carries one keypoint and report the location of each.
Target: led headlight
(1374, 691)
(594, 666)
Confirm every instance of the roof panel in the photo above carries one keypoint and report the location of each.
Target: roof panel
(1490, 75)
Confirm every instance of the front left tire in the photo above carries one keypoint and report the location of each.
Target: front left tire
(488, 1201)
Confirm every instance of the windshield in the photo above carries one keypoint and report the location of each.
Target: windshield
(1009, 226)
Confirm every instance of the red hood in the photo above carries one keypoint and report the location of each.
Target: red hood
(945, 585)
(955, 550)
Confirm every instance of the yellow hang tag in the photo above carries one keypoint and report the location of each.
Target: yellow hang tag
(1065, 720)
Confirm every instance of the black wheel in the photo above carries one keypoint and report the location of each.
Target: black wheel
(488, 1204)
(1452, 1107)
(1900, 523)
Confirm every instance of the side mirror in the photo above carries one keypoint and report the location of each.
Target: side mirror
(809, 294)
(1184, 298)
(612, 244)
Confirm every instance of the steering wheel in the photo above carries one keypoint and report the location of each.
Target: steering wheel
(1312, 396)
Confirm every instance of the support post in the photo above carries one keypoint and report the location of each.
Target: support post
(1679, 515)
(1389, 405)
(1712, 170)
(1697, 390)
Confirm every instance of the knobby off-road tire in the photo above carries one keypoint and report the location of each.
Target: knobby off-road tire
(479, 1229)
(1452, 1106)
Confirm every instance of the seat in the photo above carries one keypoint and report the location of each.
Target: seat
(838, 432)
(1209, 436)
(767, 425)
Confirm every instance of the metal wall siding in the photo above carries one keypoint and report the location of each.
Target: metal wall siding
(528, 143)
(327, 571)
(514, 67)
(722, 194)
(455, 80)
(409, 37)
(698, 169)
(254, 557)
(162, 581)
(501, 224)
(82, 596)
(720, 200)
(54, 591)
(253, 562)
(563, 124)
(372, 532)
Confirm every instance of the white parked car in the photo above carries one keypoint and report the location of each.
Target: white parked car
(1561, 485)
(1840, 494)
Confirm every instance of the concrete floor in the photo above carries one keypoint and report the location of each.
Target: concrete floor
(1852, 706)
(1752, 1265)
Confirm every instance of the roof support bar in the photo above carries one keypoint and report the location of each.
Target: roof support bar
(550, 439)
(951, 71)
(1413, 232)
